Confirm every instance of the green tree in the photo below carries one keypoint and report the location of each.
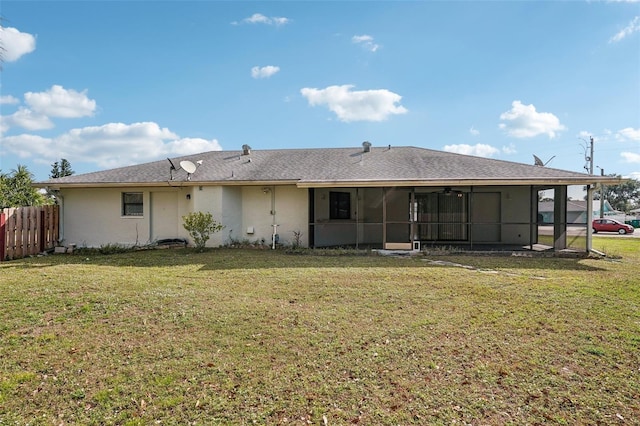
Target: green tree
(61, 169)
(624, 196)
(16, 189)
(200, 227)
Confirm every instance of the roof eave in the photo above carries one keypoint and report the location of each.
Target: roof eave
(587, 180)
(578, 180)
(164, 184)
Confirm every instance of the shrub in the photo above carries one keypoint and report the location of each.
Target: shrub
(200, 226)
(113, 248)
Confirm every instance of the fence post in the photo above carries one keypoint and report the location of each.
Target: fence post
(3, 235)
(41, 231)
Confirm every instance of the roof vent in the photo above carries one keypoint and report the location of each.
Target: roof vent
(246, 149)
(366, 146)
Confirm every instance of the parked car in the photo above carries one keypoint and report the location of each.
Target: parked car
(611, 225)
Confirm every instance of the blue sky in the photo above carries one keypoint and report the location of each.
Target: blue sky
(113, 83)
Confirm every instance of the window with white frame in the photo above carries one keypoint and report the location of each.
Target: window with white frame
(132, 204)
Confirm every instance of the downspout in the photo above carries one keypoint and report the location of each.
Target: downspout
(150, 216)
(273, 217)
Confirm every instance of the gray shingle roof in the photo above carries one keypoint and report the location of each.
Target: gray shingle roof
(315, 167)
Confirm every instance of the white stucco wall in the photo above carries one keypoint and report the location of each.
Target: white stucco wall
(231, 214)
(262, 206)
(93, 217)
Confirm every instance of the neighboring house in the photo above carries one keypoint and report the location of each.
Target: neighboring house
(388, 197)
(576, 211)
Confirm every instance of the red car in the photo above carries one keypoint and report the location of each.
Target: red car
(611, 225)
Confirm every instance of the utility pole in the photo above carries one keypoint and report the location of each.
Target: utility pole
(588, 158)
(591, 157)
(601, 196)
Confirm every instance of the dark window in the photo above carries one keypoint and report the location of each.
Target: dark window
(339, 205)
(132, 204)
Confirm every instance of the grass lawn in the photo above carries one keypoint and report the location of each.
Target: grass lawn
(249, 336)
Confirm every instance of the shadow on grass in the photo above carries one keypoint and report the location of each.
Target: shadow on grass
(234, 259)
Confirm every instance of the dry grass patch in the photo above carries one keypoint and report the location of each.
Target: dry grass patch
(246, 336)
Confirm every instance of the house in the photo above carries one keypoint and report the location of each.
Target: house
(389, 197)
(576, 211)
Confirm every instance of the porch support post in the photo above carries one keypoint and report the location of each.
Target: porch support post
(469, 225)
(533, 221)
(560, 218)
(384, 218)
(357, 217)
(589, 245)
(413, 231)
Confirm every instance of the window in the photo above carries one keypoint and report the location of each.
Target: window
(339, 205)
(132, 204)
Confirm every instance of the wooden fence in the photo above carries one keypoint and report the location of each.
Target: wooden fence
(26, 231)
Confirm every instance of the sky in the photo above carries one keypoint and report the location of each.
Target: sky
(106, 84)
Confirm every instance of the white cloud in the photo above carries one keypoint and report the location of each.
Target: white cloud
(60, 102)
(259, 18)
(511, 149)
(366, 41)
(633, 175)
(264, 72)
(523, 121)
(630, 157)
(109, 145)
(584, 135)
(633, 27)
(27, 119)
(348, 105)
(474, 131)
(628, 134)
(8, 100)
(479, 150)
(16, 44)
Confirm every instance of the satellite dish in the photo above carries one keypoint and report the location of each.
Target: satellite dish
(537, 161)
(171, 169)
(188, 166)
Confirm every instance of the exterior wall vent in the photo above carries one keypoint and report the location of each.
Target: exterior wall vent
(366, 146)
(246, 149)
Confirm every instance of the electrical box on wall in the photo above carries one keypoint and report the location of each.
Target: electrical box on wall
(250, 230)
